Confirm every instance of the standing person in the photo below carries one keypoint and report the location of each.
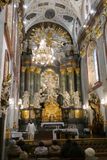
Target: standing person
(72, 150)
(31, 129)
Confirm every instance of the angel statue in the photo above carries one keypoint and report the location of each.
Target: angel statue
(25, 100)
(98, 122)
(67, 99)
(76, 99)
(36, 100)
(5, 92)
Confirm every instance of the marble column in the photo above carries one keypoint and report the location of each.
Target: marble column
(32, 69)
(2, 46)
(70, 72)
(63, 80)
(38, 70)
(77, 71)
(27, 79)
(22, 81)
(35, 81)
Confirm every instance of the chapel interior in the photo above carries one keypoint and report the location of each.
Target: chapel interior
(53, 71)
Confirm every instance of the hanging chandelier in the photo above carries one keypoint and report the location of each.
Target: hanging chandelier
(43, 55)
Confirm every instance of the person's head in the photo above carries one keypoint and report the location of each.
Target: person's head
(12, 142)
(23, 156)
(41, 144)
(54, 142)
(30, 121)
(89, 152)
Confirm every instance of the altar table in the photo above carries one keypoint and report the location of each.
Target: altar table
(52, 124)
(69, 130)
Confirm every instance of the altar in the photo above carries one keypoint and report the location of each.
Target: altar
(71, 131)
(15, 134)
(52, 124)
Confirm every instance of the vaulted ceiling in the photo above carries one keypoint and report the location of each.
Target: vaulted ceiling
(63, 12)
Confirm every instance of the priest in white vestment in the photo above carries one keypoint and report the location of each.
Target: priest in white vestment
(31, 129)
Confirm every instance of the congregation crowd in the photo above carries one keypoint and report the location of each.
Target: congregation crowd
(70, 150)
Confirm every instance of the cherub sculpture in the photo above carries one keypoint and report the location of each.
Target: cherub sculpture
(67, 99)
(36, 101)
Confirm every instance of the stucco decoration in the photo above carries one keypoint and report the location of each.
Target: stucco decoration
(4, 102)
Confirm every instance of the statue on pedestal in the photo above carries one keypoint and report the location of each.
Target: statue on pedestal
(76, 98)
(25, 101)
(36, 101)
(98, 121)
(67, 99)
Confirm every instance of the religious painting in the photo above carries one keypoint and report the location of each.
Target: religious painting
(92, 65)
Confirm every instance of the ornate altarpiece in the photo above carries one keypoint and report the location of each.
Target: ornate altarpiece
(51, 110)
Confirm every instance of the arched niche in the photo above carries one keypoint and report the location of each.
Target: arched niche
(92, 65)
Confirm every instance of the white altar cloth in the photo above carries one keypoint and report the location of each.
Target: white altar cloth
(15, 134)
(52, 123)
(72, 130)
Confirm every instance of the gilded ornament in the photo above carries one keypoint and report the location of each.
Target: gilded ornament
(105, 3)
(82, 53)
(32, 69)
(98, 32)
(4, 2)
(63, 71)
(38, 70)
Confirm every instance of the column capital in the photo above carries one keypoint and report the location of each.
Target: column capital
(23, 69)
(37, 70)
(63, 71)
(32, 69)
(70, 70)
(77, 70)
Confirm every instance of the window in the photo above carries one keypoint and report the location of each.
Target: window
(92, 64)
(106, 35)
